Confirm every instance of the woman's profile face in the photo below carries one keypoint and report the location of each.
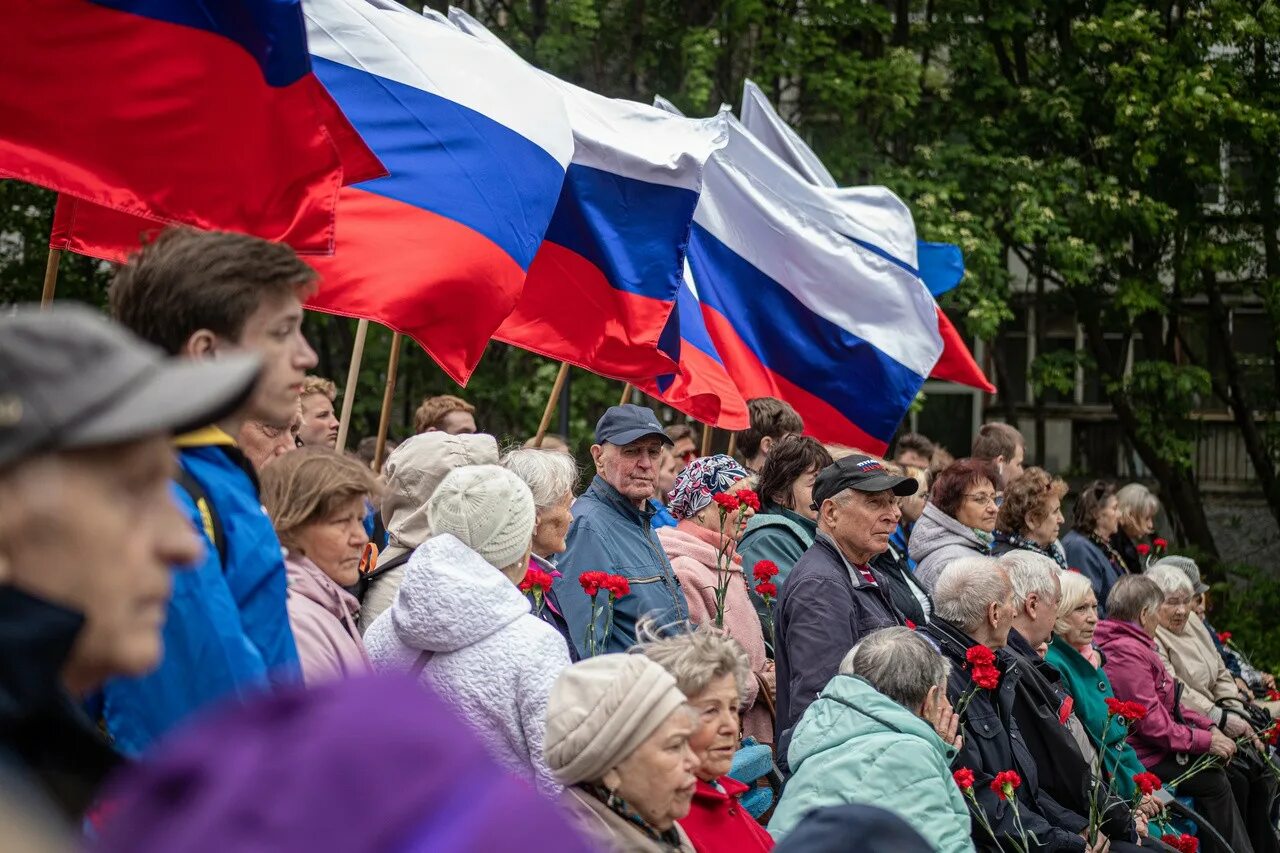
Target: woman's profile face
(657, 780)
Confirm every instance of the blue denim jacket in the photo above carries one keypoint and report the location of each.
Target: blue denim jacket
(610, 534)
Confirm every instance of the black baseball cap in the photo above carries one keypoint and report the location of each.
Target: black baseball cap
(627, 423)
(863, 473)
(71, 378)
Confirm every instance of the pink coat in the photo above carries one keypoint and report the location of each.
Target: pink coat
(692, 550)
(323, 618)
(1139, 675)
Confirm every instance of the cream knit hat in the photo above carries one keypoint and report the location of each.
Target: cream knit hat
(489, 509)
(601, 709)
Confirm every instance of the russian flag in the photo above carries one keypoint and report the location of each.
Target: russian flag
(799, 311)
(179, 110)
(878, 219)
(477, 150)
(604, 283)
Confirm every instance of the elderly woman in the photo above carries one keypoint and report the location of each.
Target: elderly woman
(712, 670)
(1170, 735)
(618, 739)
(460, 623)
(869, 738)
(1088, 544)
(316, 500)
(1074, 655)
(958, 520)
(550, 476)
(1137, 507)
(1031, 515)
(786, 524)
(696, 547)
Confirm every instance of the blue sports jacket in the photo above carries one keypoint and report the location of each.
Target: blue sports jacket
(227, 631)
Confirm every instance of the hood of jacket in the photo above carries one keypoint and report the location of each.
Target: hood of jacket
(688, 539)
(308, 580)
(936, 530)
(1114, 632)
(414, 471)
(849, 708)
(451, 598)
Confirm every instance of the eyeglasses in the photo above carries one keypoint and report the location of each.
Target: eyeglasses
(982, 498)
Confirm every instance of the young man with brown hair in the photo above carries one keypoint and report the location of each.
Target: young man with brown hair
(445, 413)
(914, 450)
(1002, 444)
(207, 296)
(771, 421)
(319, 423)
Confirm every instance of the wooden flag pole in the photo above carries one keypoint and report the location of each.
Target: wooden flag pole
(626, 394)
(388, 394)
(733, 443)
(353, 376)
(706, 440)
(50, 277)
(551, 404)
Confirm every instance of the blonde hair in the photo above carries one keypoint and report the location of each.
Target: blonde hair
(308, 485)
(319, 385)
(433, 409)
(1075, 589)
(1136, 500)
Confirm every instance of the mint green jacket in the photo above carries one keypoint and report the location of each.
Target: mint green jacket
(1090, 688)
(855, 745)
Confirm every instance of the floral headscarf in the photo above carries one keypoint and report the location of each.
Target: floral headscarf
(705, 476)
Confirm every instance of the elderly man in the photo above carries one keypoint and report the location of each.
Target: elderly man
(612, 532)
(833, 598)
(88, 526)
(974, 609)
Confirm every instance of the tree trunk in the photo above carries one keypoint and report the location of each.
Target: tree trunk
(1177, 487)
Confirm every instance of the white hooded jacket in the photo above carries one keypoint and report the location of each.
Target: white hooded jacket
(490, 657)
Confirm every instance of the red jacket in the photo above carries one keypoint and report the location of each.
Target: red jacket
(718, 822)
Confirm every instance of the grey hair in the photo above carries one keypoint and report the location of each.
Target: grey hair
(1132, 596)
(1136, 500)
(1075, 589)
(966, 589)
(1186, 565)
(549, 474)
(899, 663)
(1029, 572)
(1171, 579)
(695, 657)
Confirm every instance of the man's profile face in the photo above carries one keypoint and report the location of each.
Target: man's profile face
(457, 423)
(319, 423)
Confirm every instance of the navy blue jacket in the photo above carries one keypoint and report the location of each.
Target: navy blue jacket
(1092, 562)
(609, 534)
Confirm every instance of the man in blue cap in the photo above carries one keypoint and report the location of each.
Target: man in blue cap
(612, 533)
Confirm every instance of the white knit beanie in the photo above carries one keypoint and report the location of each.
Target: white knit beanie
(489, 509)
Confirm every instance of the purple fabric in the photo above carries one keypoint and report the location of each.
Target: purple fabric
(1138, 675)
(367, 765)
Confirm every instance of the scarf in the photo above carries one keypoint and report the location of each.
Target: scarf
(615, 804)
(1090, 653)
(1112, 554)
(1017, 540)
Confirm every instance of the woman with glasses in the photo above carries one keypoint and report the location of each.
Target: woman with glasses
(958, 520)
(1088, 544)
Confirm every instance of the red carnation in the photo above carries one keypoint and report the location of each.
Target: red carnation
(911, 625)
(616, 585)
(1134, 711)
(766, 589)
(748, 498)
(1005, 783)
(1160, 543)
(1064, 710)
(1224, 637)
(986, 677)
(592, 581)
(1273, 695)
(1143, 549)
(1273, 736)
(536, 579)
(1147, 783)
(1183, 843)
(764, 570)
(964, 778)
(726, 501)
(980, 656)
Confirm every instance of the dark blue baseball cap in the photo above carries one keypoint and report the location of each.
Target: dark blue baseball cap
(627, 423)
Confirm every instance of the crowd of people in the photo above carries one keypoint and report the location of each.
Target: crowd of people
(790, 647)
